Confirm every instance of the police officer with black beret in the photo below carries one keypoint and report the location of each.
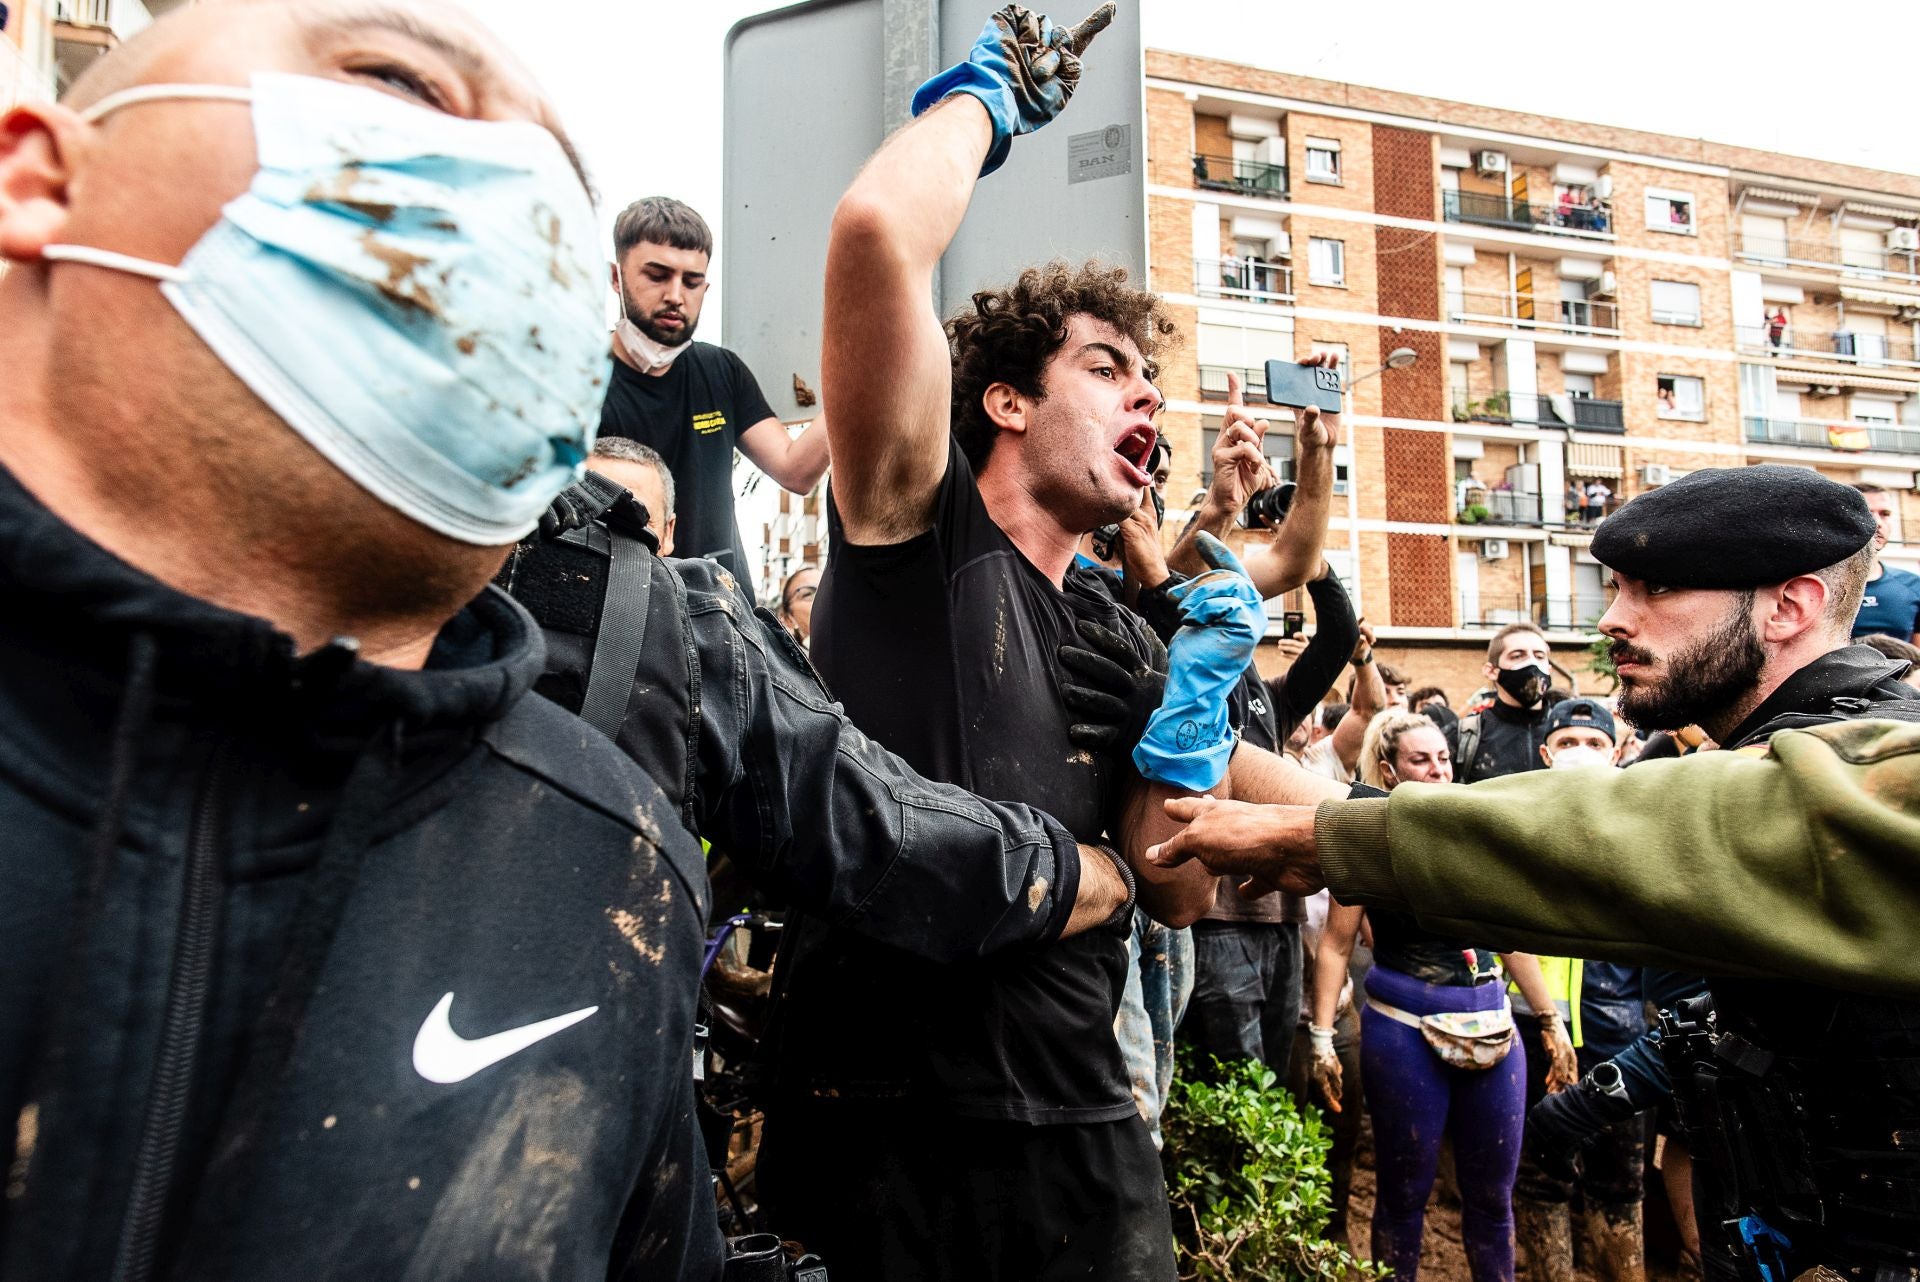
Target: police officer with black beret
(1736, 590)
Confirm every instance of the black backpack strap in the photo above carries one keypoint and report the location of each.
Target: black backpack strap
(1469, 741)
(619, 641)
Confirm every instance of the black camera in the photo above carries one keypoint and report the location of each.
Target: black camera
(1268, 507)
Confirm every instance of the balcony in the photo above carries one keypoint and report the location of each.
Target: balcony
(1856, 349)
(1573, 317)
(1589, 413)
(1481, 209)
(1494, 610)
(121, 19)
(1253, 383)
(1824, 255)
(1247, 177)
(1252, 279)
(1888, 437)
(1501, 507)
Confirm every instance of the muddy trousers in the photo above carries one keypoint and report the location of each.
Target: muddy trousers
(1415, 1099)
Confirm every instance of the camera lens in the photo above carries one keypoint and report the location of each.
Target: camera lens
(1269, 506)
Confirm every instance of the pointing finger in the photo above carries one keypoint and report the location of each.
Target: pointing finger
(1236, 394)
(1092, 25)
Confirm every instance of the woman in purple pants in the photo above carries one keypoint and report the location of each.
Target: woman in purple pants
(1436, 1042)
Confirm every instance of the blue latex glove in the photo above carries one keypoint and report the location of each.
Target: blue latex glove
(1188, 742)
(1022, 69)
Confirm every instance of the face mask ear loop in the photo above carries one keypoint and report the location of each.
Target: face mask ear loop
(116, 262)
(164, 93)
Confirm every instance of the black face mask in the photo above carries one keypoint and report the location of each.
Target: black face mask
(1159, 507)
(1527, 685)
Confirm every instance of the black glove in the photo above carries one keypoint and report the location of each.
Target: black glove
(575, 507)
(1559, 1126)
(1160, 611)
(1114, 690)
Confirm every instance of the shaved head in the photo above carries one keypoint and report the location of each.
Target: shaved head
(115, 412)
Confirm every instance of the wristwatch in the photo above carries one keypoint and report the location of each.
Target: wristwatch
(1124, 913)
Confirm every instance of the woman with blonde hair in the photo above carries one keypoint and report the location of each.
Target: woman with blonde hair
(1435, 1046)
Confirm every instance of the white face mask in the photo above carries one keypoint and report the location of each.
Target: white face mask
(1571, 757)
(412, 293)
(650, 356)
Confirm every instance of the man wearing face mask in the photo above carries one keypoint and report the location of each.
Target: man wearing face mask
(1505, 738)
(303, 901)
(693, 402)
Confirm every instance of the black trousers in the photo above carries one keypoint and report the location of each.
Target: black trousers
(1246, 991)
(893, 1191)
(1612, 1166)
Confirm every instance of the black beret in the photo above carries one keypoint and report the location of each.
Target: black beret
(1735, 527)
(1579, 712)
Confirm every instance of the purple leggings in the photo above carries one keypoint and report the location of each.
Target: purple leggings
(1415, 1098)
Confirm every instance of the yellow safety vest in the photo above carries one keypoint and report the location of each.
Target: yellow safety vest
(1563, 976)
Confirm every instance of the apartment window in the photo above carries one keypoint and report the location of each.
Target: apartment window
(1764, 236)
(1874, 409)
(1323, 160)
(1579, 386)
(1676, 303)
(1459, 384)
(1326, 261)
(1670, 211)
(1678, 396)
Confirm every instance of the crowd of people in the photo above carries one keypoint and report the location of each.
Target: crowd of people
(428, 860)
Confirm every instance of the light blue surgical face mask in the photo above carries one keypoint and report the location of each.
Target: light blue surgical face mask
(417, 295)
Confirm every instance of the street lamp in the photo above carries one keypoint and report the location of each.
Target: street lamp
(1398, 358)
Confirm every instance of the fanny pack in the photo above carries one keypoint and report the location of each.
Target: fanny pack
(1465, 1038)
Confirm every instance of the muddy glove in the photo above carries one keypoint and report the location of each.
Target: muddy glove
(575, 507)
(1157, 606)
(1111, 689)
(1560, 1125)
(1325, 1070)
(1189, 741)
(1563, 1063)
(1022, 69)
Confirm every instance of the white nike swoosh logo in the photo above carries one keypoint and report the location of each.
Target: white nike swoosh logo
(442, 1055)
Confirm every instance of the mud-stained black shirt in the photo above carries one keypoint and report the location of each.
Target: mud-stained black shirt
(1401, 943)
(944, 648)
(1510, 740)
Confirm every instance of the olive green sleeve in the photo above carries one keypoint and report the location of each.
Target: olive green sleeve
(1803, 862)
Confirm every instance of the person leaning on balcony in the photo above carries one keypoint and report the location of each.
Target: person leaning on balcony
(1777, 327)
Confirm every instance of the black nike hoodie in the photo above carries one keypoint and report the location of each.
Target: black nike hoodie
(236, 889)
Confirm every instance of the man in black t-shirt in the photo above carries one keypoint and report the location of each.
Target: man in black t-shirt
(692, 402)
(1505, 738)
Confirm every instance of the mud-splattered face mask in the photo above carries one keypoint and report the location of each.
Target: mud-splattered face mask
(413, 293)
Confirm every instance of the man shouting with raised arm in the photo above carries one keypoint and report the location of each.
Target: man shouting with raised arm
(975, 1121)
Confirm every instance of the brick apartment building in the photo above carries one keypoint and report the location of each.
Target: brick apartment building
(1587, 304)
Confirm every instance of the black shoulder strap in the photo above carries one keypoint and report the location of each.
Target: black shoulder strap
(1469, 741)
(617, 644)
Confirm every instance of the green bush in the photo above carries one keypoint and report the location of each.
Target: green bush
(1247, 1175)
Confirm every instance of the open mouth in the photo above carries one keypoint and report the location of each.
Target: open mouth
(1135, 448)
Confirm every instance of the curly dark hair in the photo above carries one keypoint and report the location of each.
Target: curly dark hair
(1010, 335)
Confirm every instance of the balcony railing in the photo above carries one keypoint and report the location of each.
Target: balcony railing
(1254, 279)
(1486, 210)
(124, 18)
(1578, 317)
(1824, 255)
(1589, 413)
(1253, 382)
(1855, 349)
(1248, 177)
(1501, 507)
(1494, 609)
(1889, 437)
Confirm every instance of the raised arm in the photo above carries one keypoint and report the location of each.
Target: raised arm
(796, 462)
(884, 372)
(1314, 673)
(1369, 697)
(1295, 552)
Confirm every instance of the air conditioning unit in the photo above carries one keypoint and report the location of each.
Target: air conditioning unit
(1489, 163)
(1821, 392)
(1908, 314)
(1493, 549)
(1603, 187)
(1607, 286)
(1903, 239)
(1655, 474)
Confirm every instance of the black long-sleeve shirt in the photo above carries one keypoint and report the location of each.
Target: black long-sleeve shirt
(1299, 690)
